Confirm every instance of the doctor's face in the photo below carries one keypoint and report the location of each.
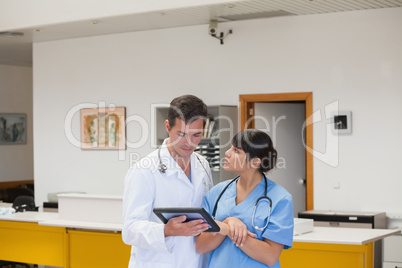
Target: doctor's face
(184, 138)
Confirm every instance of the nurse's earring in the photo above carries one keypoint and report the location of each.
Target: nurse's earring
(255, 162)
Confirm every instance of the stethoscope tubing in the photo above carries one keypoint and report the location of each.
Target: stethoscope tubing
(256, 203)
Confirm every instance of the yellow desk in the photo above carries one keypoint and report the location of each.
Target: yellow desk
(311, 255)
(70, 244)
(94, 244)
(333, 248)
(97, 249)
(22, 239)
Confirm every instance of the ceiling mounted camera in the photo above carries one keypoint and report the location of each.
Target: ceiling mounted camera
(213, 27)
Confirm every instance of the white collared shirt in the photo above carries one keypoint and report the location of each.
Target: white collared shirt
(146, 188)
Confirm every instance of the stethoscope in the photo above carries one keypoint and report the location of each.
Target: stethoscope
(256, 203)
(162, 167)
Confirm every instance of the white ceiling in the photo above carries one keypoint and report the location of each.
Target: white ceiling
(18, 50)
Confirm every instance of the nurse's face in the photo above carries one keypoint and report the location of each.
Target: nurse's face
(184, 138)
(235, 160)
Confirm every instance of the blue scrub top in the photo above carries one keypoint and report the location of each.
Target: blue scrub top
(279, 229)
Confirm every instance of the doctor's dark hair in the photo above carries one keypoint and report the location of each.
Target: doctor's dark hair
(256, 144)
(188, 108)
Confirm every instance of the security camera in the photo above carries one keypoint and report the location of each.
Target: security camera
(213, 27)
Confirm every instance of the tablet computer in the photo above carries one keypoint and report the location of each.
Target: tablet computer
(165, 214)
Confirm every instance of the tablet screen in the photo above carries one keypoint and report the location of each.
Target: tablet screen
(165, 214)
(189, 216)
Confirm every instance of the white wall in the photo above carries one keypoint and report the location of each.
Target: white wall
(16, 161)
(353, 58)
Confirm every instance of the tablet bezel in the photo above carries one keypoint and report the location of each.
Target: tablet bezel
(214, 227)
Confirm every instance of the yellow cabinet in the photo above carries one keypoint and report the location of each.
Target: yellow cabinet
(32, 243)
(318, 255)
(97, 249)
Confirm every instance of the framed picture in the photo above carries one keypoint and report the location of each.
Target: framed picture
(103, 128)
(342, 122)
(13, 128)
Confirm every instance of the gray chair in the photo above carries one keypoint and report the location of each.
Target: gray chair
(24, 203)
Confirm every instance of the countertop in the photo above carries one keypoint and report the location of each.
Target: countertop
(29, 216)
(327, 235)
(348, 236)
(102, 226)
(51, 219)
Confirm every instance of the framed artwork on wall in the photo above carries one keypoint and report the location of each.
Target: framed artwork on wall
(13, 128)
(103, 128)
(342, 122)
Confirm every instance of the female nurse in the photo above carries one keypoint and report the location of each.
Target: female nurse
(254, 213)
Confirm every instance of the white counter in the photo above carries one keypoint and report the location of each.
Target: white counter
(103, 226)
(83, 211)
(29, 216)
(348, 236)
(52, 219)
(327, 235)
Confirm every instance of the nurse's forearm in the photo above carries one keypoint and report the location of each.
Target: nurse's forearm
(266, 251)
(207, 242)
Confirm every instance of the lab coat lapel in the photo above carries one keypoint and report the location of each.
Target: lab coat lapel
(197, 172)
(167, 159)
(174, 171)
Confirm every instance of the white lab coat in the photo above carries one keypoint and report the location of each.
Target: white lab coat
(146, 188)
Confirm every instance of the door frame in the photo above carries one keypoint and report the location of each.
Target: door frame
(247, 111)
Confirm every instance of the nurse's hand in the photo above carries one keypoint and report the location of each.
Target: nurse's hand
(238, 231)
(224, 229)
(177, 227)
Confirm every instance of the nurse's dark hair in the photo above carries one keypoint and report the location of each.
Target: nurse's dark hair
(188, 108)
(257, 144)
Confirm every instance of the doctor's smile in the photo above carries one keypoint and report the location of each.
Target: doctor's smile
(187, 149)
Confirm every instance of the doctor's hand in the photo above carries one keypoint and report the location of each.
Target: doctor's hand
(177, 227)
(238, 231)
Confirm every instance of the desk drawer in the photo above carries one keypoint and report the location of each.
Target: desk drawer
(97, 249)
(343, 224)
(32, 243)
(392, 249)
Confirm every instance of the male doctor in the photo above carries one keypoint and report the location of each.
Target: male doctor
(171, 176)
